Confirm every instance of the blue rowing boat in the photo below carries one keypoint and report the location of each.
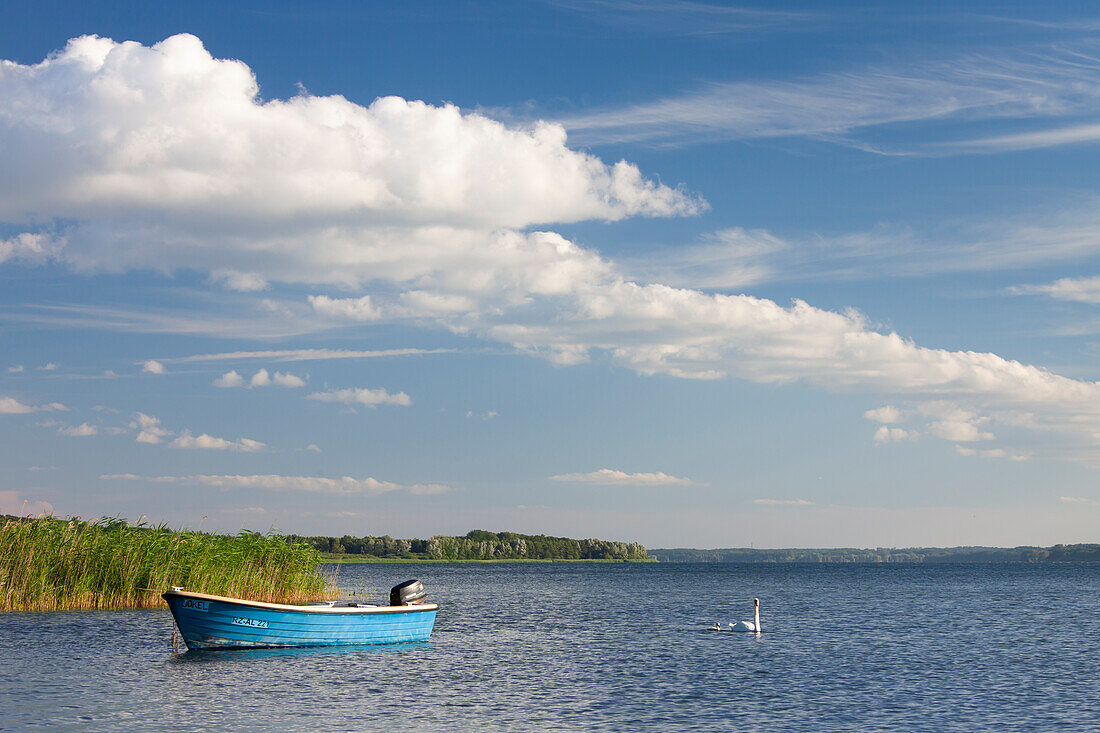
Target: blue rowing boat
(217, 622)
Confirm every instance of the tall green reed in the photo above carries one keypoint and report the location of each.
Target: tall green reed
(47, 564)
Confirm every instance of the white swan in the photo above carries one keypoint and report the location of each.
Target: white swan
(753, 625)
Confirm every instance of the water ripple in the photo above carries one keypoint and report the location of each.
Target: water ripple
(609, 647)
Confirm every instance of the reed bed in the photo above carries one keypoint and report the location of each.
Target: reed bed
(49, 564)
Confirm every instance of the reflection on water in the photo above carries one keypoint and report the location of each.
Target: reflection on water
(265, 656)
(614, 647)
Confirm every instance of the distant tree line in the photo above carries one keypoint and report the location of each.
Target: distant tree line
(479, 545)
(1057, 553)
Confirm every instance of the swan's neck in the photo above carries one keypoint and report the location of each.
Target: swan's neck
(756, 617)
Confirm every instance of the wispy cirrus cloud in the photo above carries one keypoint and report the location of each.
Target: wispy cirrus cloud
(305, 355)
(783, 502)
(727, 258)
(681, 17)
(1026, 85)
(1048, 138)
(735, 259)
(240, 319)
(1079, 289)
(612, 477)
(342, 486)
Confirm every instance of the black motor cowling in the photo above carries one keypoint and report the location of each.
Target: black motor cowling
(409, 593)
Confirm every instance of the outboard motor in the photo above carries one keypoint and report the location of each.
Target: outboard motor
(409, 593)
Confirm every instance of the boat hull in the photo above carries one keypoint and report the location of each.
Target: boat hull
(217, 622)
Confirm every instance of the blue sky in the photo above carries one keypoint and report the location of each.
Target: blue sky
(683, 273)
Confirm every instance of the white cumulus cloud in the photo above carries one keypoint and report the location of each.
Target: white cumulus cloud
(229, 379)
(612, 477)
(153, 367)
(989, 453)
(328, 190)
(209, 442)
(13, 503)
(12, 406)
(355, 309)
(342, 486)
(149, 428)
(960, 432)
(29, 248)
(887, 434)
(260, 379)
(78, 431)
(362, 396)
(886, 414)
(407, 210)
(286, 379)
(244, 282)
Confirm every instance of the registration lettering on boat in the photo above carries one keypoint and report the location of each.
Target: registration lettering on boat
(253, 622)
(194, 605)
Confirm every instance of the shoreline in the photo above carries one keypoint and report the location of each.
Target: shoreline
(332, 559)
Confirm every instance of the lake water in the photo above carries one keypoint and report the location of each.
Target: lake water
(608, 646)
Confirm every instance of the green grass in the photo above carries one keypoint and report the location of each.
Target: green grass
(48, 564)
